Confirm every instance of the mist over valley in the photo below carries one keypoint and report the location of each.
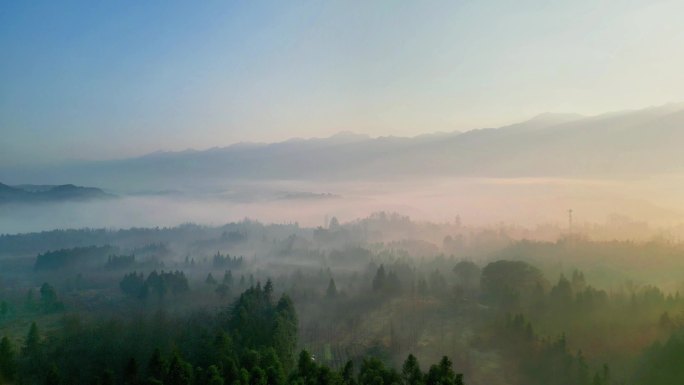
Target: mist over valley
(342, 193)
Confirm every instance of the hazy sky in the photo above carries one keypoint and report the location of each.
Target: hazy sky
(93, 79)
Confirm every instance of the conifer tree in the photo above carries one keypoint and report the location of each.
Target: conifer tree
(411, 372)
(8, 364)
(331, 292)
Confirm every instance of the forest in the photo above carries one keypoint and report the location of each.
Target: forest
(379, 300)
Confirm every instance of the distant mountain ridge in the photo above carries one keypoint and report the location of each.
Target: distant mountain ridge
(629, 143)
(47, 193)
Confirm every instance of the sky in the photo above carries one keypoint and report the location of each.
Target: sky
(102, 80)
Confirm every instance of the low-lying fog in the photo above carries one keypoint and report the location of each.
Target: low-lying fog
(477, 201)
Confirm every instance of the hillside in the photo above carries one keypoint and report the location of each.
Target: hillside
(67, 192)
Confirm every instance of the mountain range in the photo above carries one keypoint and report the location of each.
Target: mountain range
(629, 143)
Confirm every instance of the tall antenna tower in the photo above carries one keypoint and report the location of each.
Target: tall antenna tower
(570, 221)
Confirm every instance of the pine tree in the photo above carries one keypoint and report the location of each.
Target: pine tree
(334, 224)
(48, 296)
(306, 367)
(178, 372)
(379, 279)
(411, 372)
(131, 372)
(332, 289)
(268, 289)
(8, 364)
(348, 373)
(258, 376)
(285, 334)
(443, 374)
(228, 278)
(214, 376)
(275, 373)
(32, 344)
(155, 367)
(32, 357)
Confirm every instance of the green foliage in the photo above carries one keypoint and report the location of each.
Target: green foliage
(467, 274)
(386, 283)
(68, 258)
(214, 376)
(250, 343)
(228, 278)
(544, 361)
(8, 363)
(226, 261)
(431, 305)
(348, 374)
(48, 299)
(662, 363)
(379, 279)
(117, 262)
(411, 373)
(157, 285)
(132, 284)
(511, 284)
(374, 372)
(179, 372)
(32, 344)
(561, 294)
(156, 367)
(256, 322)
(443, 374)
